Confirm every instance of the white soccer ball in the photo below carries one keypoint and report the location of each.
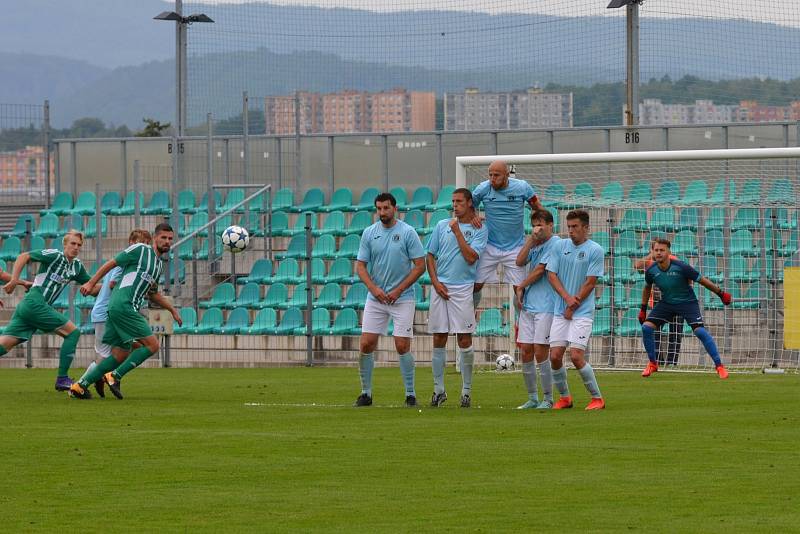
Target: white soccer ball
(504, 362)
(235, 238)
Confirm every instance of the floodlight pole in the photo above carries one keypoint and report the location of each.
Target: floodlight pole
(180, 71)
(632, 64)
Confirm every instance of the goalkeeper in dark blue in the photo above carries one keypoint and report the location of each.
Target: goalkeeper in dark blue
(674, 279)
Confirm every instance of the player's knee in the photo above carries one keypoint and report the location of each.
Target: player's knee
(439, 340)
(648, 329)
(152, 344)
(402, 344)
(464, 340)
(367, 344)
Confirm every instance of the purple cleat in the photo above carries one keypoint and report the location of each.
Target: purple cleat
(63, 383)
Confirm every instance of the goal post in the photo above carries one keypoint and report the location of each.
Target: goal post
(731, 213)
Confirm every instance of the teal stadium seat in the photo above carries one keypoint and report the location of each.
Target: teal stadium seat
(291, 321)
(640, 193)
(158, 205)
(211, 320)
(553, 195)
(342, 272)
(12, 247)
(751, 193)
(345, 323)
(203, 204)
(421, 199)
(264, 323)
(781, 192)
(422, 303)
(436, 217)
(276, 294)
(400, 196)
(669, 192)
(582, 195)
(628, 244)
(283, 200)
(633, 219)
(696, 193)
(742, 244)
(629, 326)
(186, 202)
(238, 318)
(223, 297)
(234, 197)
(332, 225)
(320, 323)
(356, 296)
(714, 243)
(324, 247)
(366, 201)
(48, 226)
(689, 219)
(747, 219)
(329, 297)
(444, 201)
(601, 326)
(602, 239)
(189, 318)
(318, 271)
(296, 248)
(663, 220)
(490, 323)
(249, 296)
(313, 200)
(288, 272)
(279, 224)
(111, 201)
(20, 227)
(197, 222)
(623, 270)
(299, 226)
(341, 199)
(612, 194)
(86, 204)
(298, 299)
(129, 204)
(360, 221)
(684, 243)
(348, 248)
(61, 205)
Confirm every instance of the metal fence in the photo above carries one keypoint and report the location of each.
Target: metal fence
(26, 167)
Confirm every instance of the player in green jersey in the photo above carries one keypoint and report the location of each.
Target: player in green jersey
(36, 312)
(141, 269)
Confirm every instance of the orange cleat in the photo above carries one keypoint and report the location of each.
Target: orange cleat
(722, 372)
(597, 403)
(650, 369)
(562, 403)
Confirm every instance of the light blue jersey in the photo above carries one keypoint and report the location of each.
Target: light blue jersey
(451, 267)
(388, 253)
(540, 297)
(100, 308)
(505, 211)
(573, 264)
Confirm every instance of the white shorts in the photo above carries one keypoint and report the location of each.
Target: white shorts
(101, 348)
(575, 332)
(455, 315)
(534, 328)
(376, 318)
(491, 257)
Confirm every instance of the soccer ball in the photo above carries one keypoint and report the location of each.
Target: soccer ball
(235, 238)
(504, 362)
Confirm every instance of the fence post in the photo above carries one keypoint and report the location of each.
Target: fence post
(212, 198)
(298, 164)
(612, 215)
(195, 290)
(46, 142)
(385, 144)
(137, 189)
(98, 218)
(331, 181)
(308, 314)
(440, 160)
(74, 167)
(123, 166)
(29, 344)
(246, 136)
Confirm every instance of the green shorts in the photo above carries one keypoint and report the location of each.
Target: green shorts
(124, 326)
(33, 314)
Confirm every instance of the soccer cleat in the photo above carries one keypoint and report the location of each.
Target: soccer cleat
(77, 391)
(722, 372)
(100, 387)
(529, 405)
(545, 405)
(563, 403)
(63, 383)
(411, 401)
(113, 384)
(438, 399)
(363, 400)
(650, 369)
(597, 403)
(466, 401)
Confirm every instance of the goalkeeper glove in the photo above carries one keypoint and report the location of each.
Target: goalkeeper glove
(725, 297)
(642, 314)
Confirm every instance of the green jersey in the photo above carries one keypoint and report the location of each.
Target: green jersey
(141, 270)
(55, 272)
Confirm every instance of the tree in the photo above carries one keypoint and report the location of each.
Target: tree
(152, 128)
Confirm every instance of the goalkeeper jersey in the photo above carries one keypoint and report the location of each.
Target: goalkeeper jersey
(141, 270)
(674, 282)
(55, 271)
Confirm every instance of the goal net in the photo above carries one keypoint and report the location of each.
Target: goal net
(732, 214)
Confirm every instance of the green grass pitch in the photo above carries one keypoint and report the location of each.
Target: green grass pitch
(281, 450)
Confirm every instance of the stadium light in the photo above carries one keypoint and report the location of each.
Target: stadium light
(181, 23)
(632, 58)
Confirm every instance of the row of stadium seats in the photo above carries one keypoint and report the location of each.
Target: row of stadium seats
(687, 243)
(663, 219)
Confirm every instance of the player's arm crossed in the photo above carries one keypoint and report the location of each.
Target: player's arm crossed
(416, 271)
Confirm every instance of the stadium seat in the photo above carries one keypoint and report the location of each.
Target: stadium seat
(416, 220)
(629, 326)
(86, 204)
(291, 320)
(490, 323)
(202, 252)
(601, 326)
(620, 296)
(252, 222)
(223, 297)
(436, 217)
(400, 196)
(111, 201)
(772, 241)
(356, 296)
(640, 193)
(623, 270)
(553, 195)
(685, 243)
(367, 200)
(444, 201)
(178, 269)
(128, 205)
(276, 294)
(345, 323)
(714, 243)
(211, 320)
(288, 272)
(628, 244)
(234, 197)
(283, 200)
(634, 299)
(421, 199)
(422, 303)
(71, 222)
(186, 202)
(61, 205)
(299, 226)
(197, 222)
(739, 270)
(296, 248)
(37, 243)
(774, 270)
(279, 224)
(742, 244)
(203, 204)
(696, 193)
(602, 296)
(751, 193)
(747, 219)
(342, 198)
(663, 220)
(790, 247)
(249, 296)
(258, 204)
(333, 225)
(189, 318)
(264, 323)
(238, 318)
(12, 247)
(715, 219)
(582, 195)
(669, 192)
(689, 219)
(329, 297)
(318, 272)
(781, 192)
(313, 200)
(222, 224)
(320, 323)
(20, 226)
(633, 219)
(158, 205)
(612, 194)
(48, 226)
(781, 216)
(298, 299)
(341, 271)
(348, 248)
(711, 270)
(84, 302)
(360, 221)
(602, 239)
(748, 299)
(324, 247)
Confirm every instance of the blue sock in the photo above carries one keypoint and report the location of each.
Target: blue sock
(529, 377)
(407, 370)
(560, 381)
(546, 372)
(365, 365)
(590, 381)
(437, 365)
(649, 341)
(708, 342)
(467, 361)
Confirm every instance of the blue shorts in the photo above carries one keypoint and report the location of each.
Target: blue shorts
(665, 313)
